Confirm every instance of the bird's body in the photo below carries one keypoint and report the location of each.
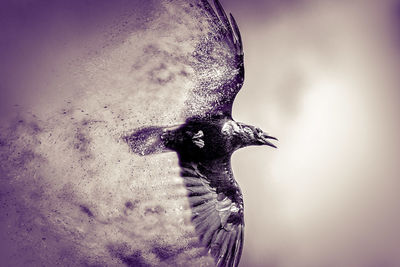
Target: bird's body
(201, 139)
(204, 146)
(210, 138)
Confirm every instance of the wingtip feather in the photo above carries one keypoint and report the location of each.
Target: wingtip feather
(237, 34)
(223, 18)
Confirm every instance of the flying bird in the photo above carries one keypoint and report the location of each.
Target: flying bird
(209, 136)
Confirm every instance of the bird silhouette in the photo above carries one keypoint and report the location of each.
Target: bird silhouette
(209, 136)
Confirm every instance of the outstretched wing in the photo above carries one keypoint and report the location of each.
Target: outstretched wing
(217, 208)
(217, 63)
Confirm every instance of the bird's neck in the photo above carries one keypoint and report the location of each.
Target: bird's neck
(236, 135)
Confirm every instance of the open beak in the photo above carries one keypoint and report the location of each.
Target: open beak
(265, 140)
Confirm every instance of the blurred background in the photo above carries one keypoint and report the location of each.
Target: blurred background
(322, 76)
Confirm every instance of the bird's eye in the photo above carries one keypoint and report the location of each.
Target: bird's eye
(248, 131)
(258, 130)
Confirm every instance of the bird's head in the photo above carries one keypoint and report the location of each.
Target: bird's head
(247, 135)
(254, 136)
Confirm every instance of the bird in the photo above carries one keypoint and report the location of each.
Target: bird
(207, 139)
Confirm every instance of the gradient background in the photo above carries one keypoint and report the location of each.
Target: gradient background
(322, 76)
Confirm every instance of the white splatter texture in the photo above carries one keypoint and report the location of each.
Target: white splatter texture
(72, 193)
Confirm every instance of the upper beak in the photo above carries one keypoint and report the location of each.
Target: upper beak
(265, 141)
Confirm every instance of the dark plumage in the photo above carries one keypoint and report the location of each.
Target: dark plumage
(206, 141)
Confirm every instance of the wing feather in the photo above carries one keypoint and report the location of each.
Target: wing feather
(197, 191)
(232, 239)
(208, 8)
(237, 34)
(216, 214)
(238, 246)
(193, 181)
(217, 64)
(214, 225)
(224, 19)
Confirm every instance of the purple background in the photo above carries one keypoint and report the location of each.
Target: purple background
(322, 76)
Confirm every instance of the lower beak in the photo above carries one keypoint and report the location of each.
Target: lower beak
(265, 140)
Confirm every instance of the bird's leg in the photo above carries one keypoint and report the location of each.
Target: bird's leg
(197, 139)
